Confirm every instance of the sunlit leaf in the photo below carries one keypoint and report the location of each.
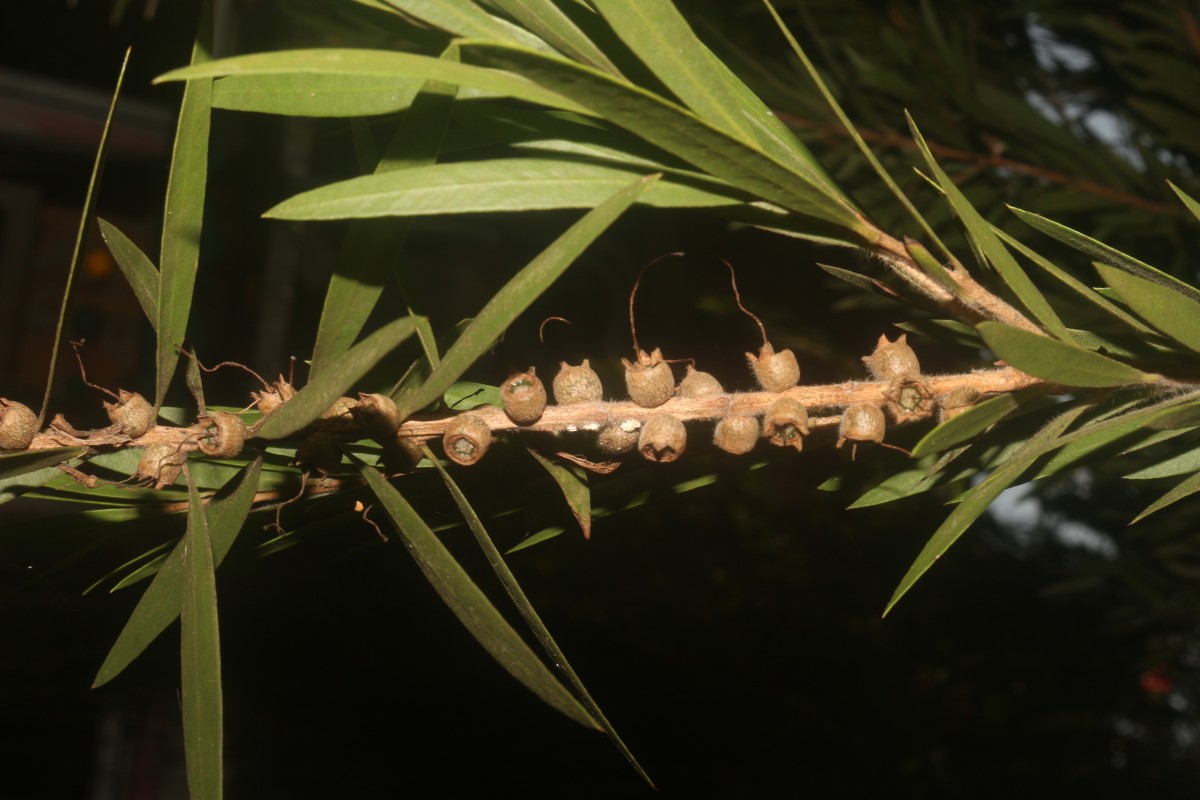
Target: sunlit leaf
(921, 477)
(1182, 464)
(1187, 487)
(200, 658)
(1058, 362)
(967, 425)
(1187, 199)
(572, 482)
(465, 18)
(1173, 313)
(469, 604)
(316, 397)
(508, 184)
(162, 601)
(515, 296)
(315, 95)
(554, 27)
(980, 497)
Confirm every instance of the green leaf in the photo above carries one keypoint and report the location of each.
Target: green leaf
(1103, 252)
(469, 604)
(372, 248)
(466, 19)
(315, 95)
(1188, 201)
(976, 501)
(921, 477)
(1189, 486)
(1058, 362)
(1181, 464)
(554, 27)
(676, 130)
(1175, 314)
(183, 218)
(574, 486)
(530, 615)
(163, 599)
(13, 465)
(465, 395)
(980, 232)
(352, 64)
(316, 397)
(537, 538)
(85, 224)
(138, 270)
(515, 296)
(966, 425)
(200, 657)
(507, 184)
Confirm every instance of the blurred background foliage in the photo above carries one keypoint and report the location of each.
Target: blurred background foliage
(732, 632)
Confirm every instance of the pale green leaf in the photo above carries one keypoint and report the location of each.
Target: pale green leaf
(348, 64)
(1173, 313)
(967, 425)
(508, 184)
(558, 30)
(572, 482)
(981, 234)
(183, 218)
(317, 95)
(1188, 486)
(515, 296)
(675, 130)
(466, 19)
(921, 477)
(1187, 199)
(1182, 464)
(200, 658)
(980, 497)
(470, 605)
(163, 599)
(319, 393)
(541, 536)
(1058, 362)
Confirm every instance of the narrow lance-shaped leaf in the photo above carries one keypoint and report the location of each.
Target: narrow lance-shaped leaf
(372, 249)
(349, 64)
(200, 658)
(573, 484)
(319, 393)
(85, 223)
(1187, 487)
(558, 30)
(1187, 199)
(675, 130)
(163, 599)
(1175, 314)
(980, 232)
(138, 269)
(515, 296)
(966, 425)
(529, 614)
(1182, 464)
(980, 497)
(1058, 362)
(507, 184)
(466, 19)
(183, 217)
(470, 605)
(315, 95)
(13, 465)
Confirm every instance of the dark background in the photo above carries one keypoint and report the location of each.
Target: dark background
(732, 633)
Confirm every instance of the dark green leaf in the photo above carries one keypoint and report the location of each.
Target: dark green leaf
(465, 395)
(515, 296)
(919, 478)
(508, 184)
(315, 95)
(200, 658)
(981, 234)
(966, 425)
(469, 604)
(980, 497)
(161, 603)
(466, 19)
(548, 21)
(1181, 464)
(138, 270)
(1188, 201)
(1173, 313)
(13, 465)
(316, 397)
(1188, 486)
(1058, 362)
(572, 482)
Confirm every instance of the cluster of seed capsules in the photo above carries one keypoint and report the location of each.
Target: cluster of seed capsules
(662, 437)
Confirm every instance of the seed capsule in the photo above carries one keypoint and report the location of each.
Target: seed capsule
(663, 438)
(132, 414)
(909, 400)
(893, 361)
(18, 425)
(378, 414)
(699, 384)
(274, 396)
(861, 423)
(467, 439)
(956, 402)
(736, 434)
(786, 423)
(223, 434)
(619, 437)
(577, 384)
(776, 372)
(161, 464)
(649, 381)
(524, 397)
